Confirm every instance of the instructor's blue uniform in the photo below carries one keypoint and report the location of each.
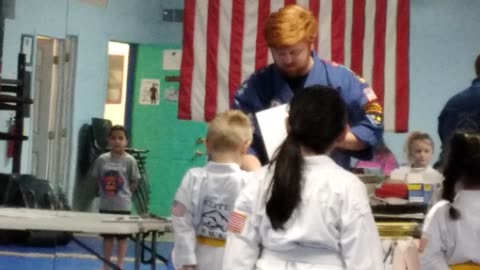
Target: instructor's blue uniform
(267, 88)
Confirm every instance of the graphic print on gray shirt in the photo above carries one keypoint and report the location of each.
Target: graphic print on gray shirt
(113, 175)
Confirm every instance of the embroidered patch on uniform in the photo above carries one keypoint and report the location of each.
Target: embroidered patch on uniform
(178, 209)
(361, 79)
(373, 107)
(242, 88)
(237, 222)
(375, 118)
(369, 94)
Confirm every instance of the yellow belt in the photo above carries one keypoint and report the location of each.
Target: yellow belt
(213, 242)
(465, 266)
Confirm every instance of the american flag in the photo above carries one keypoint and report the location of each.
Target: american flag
(223, 44)
(236, 222)
(178, 209)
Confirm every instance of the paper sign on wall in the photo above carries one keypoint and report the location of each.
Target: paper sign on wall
(172, 59)
(171, 94)
(150, 92)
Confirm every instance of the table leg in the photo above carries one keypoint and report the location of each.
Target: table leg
(137, 251)
(154, 250)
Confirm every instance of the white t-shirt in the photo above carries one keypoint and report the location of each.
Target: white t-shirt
(426, 175)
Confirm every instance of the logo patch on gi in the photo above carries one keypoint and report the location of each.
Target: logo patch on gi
(237, 222)
(178, 209)
(369, 94)
(214, 220)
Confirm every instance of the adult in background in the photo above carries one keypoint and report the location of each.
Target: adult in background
(461, 112)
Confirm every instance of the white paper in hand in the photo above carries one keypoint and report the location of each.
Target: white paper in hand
(272, 126)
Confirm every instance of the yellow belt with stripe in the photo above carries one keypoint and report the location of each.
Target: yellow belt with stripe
(208, 241)
(465, 266)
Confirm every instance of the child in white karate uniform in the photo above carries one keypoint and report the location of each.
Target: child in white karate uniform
(206, 196)
(420, 148)
(451, 233)
(304, 211)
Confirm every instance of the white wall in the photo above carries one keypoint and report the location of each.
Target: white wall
(122, 20)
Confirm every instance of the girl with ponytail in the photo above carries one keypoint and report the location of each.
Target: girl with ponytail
(305, 211)
(451, 233)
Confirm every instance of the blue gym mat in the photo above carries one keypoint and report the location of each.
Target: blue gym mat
(70, 256)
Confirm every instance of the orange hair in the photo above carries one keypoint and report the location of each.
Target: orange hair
(290, 25)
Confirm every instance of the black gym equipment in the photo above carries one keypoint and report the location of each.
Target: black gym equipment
(19, 190)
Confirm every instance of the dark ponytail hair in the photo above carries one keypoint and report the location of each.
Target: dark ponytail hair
(317, 117)
(462, 166)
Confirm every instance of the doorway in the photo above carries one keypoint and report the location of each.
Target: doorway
(115, 103)
(52, 109)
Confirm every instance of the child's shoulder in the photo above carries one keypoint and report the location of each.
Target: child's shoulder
(104, 156)
(196, 172)
(349, 179)
(438, 211)
(127, 156)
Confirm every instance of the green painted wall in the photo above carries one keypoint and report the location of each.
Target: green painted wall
(172, 142)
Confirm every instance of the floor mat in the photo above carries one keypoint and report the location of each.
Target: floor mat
(70, 256)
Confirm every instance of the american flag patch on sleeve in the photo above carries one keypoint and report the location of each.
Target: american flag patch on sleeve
(178, 209)
(369, 94)
(237, 222)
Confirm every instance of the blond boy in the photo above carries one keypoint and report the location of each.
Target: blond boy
(206, 196)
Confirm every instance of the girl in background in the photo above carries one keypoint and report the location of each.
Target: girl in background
(451, 234)
(419, 148)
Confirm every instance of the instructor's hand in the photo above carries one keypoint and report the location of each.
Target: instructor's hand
(348, 141)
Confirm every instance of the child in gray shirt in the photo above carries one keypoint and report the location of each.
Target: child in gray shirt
(117, 175)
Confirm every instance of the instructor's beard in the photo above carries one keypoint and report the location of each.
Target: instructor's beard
(298, 71)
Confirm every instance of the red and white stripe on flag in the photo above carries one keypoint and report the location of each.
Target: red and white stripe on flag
(223, 44)
(237, 222)
(178, 209)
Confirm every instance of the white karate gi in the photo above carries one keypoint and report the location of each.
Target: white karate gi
(332, 228)
(202, 206)
(450, 241)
